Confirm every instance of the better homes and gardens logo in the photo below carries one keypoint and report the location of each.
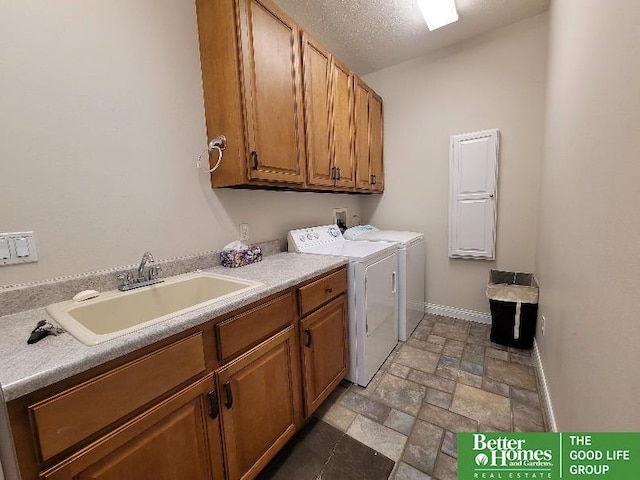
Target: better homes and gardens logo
(502, 456)
(509, 452)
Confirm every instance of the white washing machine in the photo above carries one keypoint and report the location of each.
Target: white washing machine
(411, 272)
(372, 294)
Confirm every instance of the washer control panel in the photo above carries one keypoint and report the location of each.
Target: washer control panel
(304, 239)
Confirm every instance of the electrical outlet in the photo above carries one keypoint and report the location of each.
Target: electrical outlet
(244, 232)
(339, 217)
(543, 321)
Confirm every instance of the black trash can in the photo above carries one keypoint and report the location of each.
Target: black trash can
(513, 298)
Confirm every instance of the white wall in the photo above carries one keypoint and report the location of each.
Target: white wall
(494, 81)
(101, 123)
(589, 230)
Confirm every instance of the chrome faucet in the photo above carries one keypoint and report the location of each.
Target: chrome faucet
(128, 281)
(147, 258)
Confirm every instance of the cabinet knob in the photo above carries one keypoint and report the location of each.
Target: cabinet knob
(328, 289)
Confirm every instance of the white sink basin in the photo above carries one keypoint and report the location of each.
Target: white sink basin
(115, 313)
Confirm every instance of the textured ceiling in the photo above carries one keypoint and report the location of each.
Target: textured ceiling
(369, 35)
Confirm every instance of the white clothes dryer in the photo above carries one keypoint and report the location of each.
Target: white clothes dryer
(411, 272)
(372, 294)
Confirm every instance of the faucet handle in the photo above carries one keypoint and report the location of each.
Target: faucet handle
(154, 272)
(125, 278)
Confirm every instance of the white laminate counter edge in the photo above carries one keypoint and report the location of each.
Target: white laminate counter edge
(27, 368)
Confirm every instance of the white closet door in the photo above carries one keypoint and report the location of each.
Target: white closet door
(473, 174)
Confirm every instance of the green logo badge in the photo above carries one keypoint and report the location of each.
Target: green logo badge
(605, 456)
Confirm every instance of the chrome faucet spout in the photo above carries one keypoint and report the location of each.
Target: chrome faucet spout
(146, 276)
(147, 258)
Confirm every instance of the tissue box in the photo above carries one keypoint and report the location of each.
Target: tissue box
(240, 258)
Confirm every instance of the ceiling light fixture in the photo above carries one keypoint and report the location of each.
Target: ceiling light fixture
(438, 13)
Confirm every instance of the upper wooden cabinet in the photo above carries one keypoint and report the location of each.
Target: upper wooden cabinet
(343, 128)
(368, 138)
(284, 102)
(250, 56)
(328, 98)
(375, 142)
(361, 117)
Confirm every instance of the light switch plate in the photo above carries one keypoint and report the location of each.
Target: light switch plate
(5, 251)
(21, 247)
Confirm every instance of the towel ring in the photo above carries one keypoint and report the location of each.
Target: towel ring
(219, 143)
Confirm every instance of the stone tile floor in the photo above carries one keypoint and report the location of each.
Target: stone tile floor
(321, 452)
(447, 378)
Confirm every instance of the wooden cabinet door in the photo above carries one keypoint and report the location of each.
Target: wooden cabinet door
(324, 352)
(272, 90)
(328, 88)
(260, 403)
(177, 438)
(375, 143)
(317, 97)
(361, 118)
(368, 138)
(342, 119)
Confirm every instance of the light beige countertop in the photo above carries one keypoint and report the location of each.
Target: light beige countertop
(25, 368)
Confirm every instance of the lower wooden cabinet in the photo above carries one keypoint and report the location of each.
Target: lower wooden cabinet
(324, 352)
(178, 438)
(259, 404)
(218, 404)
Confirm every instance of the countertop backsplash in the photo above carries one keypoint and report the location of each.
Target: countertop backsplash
(27, 296)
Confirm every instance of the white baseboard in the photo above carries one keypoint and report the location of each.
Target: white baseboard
(546, 398)
(458, 313)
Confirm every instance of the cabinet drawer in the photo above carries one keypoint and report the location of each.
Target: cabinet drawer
(166, 440)
(321, 291)
(71, 416)
(247, 329)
